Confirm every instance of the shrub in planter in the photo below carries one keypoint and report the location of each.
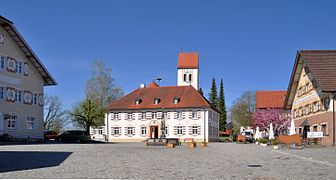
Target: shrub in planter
(275, 142)
(263, 141)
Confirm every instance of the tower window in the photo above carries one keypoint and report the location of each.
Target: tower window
(189, 77)
(185, 77)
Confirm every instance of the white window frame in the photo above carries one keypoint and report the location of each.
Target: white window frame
(2, 62)
(179, 114)
(12, 118)
(2, 93)
(154, 115)
(115, 131)
(179, 130)
(194, 114)
(143, 131)
(35, 98)
(143, 115)
(31, 119)
(194, 130)
(130, 131)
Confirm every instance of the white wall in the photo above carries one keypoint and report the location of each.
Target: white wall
(201, 121)
(195, 78)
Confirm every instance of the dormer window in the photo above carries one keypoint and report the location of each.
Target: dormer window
(176, 100)
(157, 100)
(138, 101)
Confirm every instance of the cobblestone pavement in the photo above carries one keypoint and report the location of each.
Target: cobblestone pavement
(135, 161)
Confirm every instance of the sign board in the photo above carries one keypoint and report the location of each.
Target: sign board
(314, 134)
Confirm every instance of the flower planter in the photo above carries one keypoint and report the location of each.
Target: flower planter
(256, 143)
(170, 145)
(192, 144)
(276, 147)
(263, 145)
(204, 144)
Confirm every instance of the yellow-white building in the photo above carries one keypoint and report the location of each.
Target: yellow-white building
(22, 81)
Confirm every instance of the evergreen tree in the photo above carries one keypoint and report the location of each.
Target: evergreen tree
(213, 94)
(201, 91)
(221, 107)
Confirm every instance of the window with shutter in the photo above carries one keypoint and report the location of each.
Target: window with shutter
(199, 115)
(183, 130)
(175, 130)
(148, 115)
(199, 132)
(175, 115)
(190, 130)
(183, 115)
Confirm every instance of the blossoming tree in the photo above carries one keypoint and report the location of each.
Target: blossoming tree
(278, 117)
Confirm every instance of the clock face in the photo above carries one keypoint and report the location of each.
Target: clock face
(2, 39)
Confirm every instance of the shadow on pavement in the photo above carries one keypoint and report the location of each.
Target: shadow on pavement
(25, 160)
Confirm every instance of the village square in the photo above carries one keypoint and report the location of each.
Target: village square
(162, 116)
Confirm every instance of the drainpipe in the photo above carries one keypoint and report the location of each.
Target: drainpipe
(333, 127)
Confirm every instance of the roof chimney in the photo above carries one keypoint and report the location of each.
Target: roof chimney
(142, 86)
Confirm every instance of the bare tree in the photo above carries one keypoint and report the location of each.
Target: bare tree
(53, 113)
(101, 86)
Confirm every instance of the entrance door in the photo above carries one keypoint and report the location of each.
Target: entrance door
(1, 124)
(154, 132)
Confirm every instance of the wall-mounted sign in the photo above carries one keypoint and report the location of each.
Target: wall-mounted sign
(314, 134)
(2, 39)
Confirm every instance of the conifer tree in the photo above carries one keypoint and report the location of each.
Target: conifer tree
(221, 107)
(213, 94)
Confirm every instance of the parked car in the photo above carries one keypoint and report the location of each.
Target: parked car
(50, 135)
(74, 136)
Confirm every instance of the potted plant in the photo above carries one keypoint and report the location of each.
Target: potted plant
(263, 142)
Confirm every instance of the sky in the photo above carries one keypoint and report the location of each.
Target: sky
(249, 44)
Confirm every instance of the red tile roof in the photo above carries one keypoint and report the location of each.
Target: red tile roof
(188, 60)
(270, 99)
(153, 84)
(322, 65)
(188, 95)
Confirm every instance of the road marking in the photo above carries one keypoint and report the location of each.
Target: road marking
(305, 158)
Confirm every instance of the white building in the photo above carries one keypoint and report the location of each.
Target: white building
(22, 81)
(187, 114)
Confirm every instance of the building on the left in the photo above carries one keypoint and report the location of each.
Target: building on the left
(22, 81)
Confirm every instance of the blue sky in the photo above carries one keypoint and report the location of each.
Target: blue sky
(250, 44)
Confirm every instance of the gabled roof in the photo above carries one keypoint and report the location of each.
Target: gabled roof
(270, 99)
(153, 84)
(187, 60)
(22, 44)
(188, 96)
(322, 66)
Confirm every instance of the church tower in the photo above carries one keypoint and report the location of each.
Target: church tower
(187, 69)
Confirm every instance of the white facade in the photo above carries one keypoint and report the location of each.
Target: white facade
(187, 77)
(200, 125)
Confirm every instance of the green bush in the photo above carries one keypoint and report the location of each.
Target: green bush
(263, 140)
(275, 142)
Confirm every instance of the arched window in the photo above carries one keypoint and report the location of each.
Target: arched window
(184, 77)
(189, 77)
